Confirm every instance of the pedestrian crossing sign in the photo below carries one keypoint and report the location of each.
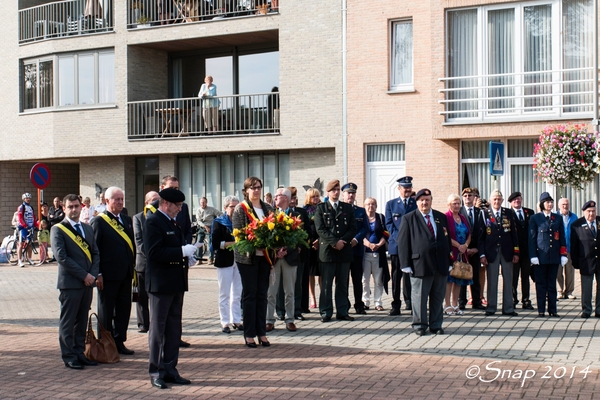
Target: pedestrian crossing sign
(496, 158)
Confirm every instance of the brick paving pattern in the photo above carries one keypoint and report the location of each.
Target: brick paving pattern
(374, 357)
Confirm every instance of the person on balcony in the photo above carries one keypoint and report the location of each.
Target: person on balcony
(210, 105)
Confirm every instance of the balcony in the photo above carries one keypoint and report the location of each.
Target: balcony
(64, 19)
(528, 96)
(196, 117)
(146, 13)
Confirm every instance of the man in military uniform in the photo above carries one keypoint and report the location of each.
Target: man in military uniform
(336, 227)
(395, 209)
(358, 249)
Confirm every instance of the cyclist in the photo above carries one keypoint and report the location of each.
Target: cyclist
(27, 220)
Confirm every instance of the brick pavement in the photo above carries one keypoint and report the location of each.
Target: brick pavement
(375, 356)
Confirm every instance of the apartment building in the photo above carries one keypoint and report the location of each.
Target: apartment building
(106, 93)
(433, 82)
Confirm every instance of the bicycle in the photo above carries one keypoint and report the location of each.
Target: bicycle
(199, 234)
(11, 248)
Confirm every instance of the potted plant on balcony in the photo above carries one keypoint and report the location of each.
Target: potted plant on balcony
(143, 22)
(136, 10)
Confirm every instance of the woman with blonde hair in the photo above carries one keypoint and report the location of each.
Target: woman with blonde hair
(312, 198)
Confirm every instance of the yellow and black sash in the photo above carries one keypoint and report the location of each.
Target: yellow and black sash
(119, 229)
(78, 240)
(149, 207)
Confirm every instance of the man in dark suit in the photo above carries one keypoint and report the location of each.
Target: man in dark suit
(143, 314)
(78, 263)
(498, 245)
(523, 267)
(336, 227)
(166, 281)
(585, 256)
(424, 251)
(471, 213)
(395, 209)
(358, 249)
(113, 232)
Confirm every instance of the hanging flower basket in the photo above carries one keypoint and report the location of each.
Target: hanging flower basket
(567, 155)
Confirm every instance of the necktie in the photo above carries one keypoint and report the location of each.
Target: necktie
(471, 216)
(78, 229)
(521, 215)
(593, 228)
(498, 217)
(335, 206)
(429, 225)
(548, 218)
(405, 203)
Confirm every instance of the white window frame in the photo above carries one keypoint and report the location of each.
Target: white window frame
(401, 87)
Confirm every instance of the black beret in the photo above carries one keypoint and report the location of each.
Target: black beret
(423, 192)
(514, 195)
(545, 197)
(172, 195)
(588, 204)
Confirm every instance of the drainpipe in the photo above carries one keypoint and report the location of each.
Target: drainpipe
(345, 94)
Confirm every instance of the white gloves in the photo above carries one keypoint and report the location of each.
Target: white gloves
(407, 270)
(191, 261)
(188, 250)
(535, 261)
(563, 260)
(450, 268)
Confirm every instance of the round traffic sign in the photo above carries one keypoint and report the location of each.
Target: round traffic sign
(40, 175)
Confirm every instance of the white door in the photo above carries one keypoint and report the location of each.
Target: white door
(381, 181)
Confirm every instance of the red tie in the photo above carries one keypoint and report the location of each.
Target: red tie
(430, 226)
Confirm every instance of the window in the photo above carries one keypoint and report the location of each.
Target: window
(402, 56)
(81, 78)
(520, 61)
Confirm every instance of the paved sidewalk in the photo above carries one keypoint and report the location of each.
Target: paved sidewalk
(376, 356)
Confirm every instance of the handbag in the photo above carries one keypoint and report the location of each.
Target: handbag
(461, 270)
(103, 349)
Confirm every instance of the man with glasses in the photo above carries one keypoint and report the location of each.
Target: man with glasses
(566, 274)
(523, 267)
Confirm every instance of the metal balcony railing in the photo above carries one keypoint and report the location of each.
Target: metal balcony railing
(65, 18)
(562, 93)
(196, 117)
(144, 13)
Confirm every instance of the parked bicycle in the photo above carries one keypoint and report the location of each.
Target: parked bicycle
(30, 246)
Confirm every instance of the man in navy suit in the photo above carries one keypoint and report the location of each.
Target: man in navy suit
(498, 245)
(424, 252)
(358, 249)
(395, 209)
(585, 256)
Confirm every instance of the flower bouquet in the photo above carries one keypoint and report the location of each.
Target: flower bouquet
(275, 231)
(567, 155)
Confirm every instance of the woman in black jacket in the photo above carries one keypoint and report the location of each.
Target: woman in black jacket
(230, 282)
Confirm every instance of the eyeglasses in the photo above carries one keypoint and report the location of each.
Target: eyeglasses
(255, 188)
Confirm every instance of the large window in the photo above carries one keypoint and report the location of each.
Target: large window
(217, 176)
(401, 56)
(82, 79)
(520, 61)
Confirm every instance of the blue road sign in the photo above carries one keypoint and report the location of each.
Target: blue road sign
(40, 175)
(496, 158)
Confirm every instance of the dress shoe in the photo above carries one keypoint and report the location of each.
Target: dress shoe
(541, 314)
(596, 315)
(177, 379)
(585, 315)
(408, 307)
(461, 307)
(438, 331)
(270, 327)
(325, 319)
(226, 330)
(478, 307)
(264, 343)
(554, 315)
(74, 364)
(183, 343)
(281, 317)
(124, 350)
(366, 307)
(306, 311)
(300, 317)
(159, 383)
(85, 361)
(394, 311)
(488, 313)
(344, 318)
(291, 327)
(527, 306)
(251, 344)
(420, 332)
(511, 314)
(361, 311)
(239, 327)
(141, 329)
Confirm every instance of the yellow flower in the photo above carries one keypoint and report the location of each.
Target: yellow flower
(236, 232)
(287, 228)
(271, 226)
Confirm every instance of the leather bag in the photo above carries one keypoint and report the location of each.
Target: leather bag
(103, 349)
(461, 270)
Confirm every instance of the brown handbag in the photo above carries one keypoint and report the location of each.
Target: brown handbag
(461, 270)
(104, 349)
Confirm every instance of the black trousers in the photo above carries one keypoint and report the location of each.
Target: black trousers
(356, 272)
(165, 334)
(141, 308)
(255, 284)
(523, 267)
(74, 308)
(398, 286)
(545, 286)
(475, 287)
(114, 305)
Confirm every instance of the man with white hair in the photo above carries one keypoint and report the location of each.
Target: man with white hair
(498, 245)
(285, 269)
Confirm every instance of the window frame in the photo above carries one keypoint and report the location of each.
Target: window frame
(400, 87)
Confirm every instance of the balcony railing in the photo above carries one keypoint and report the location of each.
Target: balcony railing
(565, 93)
(197, 117)
(144, 13)
(65, 18)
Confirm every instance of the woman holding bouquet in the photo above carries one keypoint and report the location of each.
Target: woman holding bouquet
(254, 268)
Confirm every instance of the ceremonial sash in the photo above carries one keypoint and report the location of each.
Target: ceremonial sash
(119, 229)
(78, 241)
(250, 214)
(150, 208)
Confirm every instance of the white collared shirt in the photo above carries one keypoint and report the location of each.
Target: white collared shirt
(432, 221)
(73, 223)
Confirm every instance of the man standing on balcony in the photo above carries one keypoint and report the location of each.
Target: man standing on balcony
(395, 209)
